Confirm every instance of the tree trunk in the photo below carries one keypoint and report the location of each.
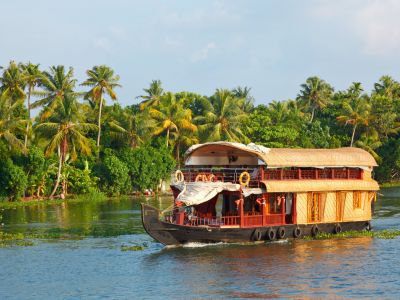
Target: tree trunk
(352, 136)
(167, 137)
(29, 116)
(99, 119)
(177, 155)
(60, 162)
(312, 115)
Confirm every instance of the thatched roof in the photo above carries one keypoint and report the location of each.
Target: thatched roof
(276, 186)
(285, 157)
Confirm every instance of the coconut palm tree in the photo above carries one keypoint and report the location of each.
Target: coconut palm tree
(244, 93)
(153, 95)
(356, 110)
(314, 95)
(66, 133)
(102, 80)
(223, 118)
(32, 76)
(12, 83)
(136, 127)
(369, 141)
(11, 125)
(171, 118)
(388, 87)
(57, 83)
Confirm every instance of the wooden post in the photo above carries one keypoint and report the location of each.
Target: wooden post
(283, 209)
(264, 212)
(294, 211)
(281, 174)
(241, 212)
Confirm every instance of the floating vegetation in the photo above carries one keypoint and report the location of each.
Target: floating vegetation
(134, 247)
(380, 234)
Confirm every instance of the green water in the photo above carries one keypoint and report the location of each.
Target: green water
(100, 264)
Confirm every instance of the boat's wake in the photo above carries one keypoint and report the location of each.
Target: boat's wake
(201, 245)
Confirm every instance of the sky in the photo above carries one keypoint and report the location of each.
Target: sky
(269, 45)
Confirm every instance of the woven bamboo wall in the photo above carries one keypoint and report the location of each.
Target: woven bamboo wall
(330, 214)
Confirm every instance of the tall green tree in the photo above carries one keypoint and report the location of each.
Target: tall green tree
(172, 119)
(12, 83)
(315, 94)
(136, 127)
(223, 118)
(57, 83)
(102, 80)
(355, 109)
(32, 76)
(245, 94)
(153, 95)
(66, 133)
(11, 125)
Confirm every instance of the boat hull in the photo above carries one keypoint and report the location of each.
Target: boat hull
(172, 234)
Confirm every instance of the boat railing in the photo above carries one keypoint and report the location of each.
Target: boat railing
(231, 175)
(251, 220)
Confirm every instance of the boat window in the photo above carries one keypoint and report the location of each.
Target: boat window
(275, 201)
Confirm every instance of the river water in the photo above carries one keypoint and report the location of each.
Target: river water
(96, 267)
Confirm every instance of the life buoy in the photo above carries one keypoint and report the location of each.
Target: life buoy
(212, 178)
(271, 234)
(297, 232)
(201, 177)
(281, 232)
(314, 230)
(245, 182)
(257, 234)
(337, 229)
(179, 177)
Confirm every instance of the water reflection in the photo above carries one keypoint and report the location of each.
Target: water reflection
(96, 267)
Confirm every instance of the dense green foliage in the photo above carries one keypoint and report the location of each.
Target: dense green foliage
(81, 143)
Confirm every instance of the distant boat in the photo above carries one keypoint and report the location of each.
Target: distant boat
(230, 192)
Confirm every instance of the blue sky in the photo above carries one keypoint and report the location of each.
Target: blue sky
(270, 46)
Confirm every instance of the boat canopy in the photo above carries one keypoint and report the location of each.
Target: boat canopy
(226, 153)
(195, 193)
(277, 186)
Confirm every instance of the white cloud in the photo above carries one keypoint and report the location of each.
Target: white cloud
(203, 53)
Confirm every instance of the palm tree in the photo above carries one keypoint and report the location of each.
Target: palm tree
(244, 93)
(223, 118)
(135, 127)
(66, 132)
(172, 118)
(356, 110)
(153, 95)
(102, 80)
(13, 83)
(369, 141)
(56, 84)
(32, 76)
(315, 94)
(10, 125)
(388, 87)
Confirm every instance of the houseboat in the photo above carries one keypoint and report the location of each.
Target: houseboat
(230, 192)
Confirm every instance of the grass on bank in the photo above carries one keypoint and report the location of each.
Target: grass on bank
(92, 197)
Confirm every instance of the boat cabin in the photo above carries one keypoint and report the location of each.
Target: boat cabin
(234, 185)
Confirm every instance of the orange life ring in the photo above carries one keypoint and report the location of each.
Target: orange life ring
(201, 177)
(245, 182)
